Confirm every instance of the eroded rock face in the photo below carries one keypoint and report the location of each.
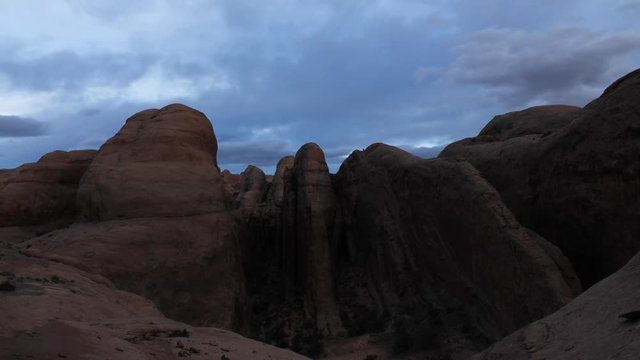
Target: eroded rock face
(509, 147)
(289, 256)
(589, 328)
(276, 193)
(158, 220)
(254, 187)
(572, 175)
(43, 192)
(161, 163)
(425, 239)
(316, 208)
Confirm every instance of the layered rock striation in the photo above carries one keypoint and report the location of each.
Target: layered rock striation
(43, 192)
(154, 218)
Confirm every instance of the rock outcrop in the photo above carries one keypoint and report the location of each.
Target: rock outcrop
(162, 163)
(394, 256)
(156, 219)
(55, 311)
(395, 247)
(509, 147)
(589, 328)
(429, 245)
(572, 175)
(315, 213)
(43, 193)
(254, 188)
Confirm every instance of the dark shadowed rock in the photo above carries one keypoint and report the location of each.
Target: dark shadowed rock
(589, 328)
(276, 193)
(509, 147)
(576, 181)
(254, 187)
(430, 245)
(43, 192)
(233, 183)
(58, 311)
(315, 218)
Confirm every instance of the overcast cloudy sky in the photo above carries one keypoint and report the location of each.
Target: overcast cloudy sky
(273, 75)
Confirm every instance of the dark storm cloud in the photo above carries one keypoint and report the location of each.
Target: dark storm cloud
(259, 153)
(16, 126)
(236, 155)
(273, 76)
(562, 65)
(348, 89)
(342, 91)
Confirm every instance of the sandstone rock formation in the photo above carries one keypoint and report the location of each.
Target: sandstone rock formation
(276, 193)
(253, 187)
(509, 146)
(55, 311)
(292, 288)
(43, 192)
(387, 247)
(155, 219)
(572, 175)
(396, 246)
(316, 208)
(430, 245)
(162, 163)
(589, 328)
(394, 256)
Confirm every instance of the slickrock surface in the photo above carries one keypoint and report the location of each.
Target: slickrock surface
(589, 328)
(57, 311)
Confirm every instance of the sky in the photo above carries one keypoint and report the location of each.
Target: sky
(274, 75)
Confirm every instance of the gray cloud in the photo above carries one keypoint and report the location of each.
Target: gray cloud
(341, 74)
(259, 153)
(16, 126)
(424, 151)
(236, 155)
(68, 71)
(563, 65)
(629, 6)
